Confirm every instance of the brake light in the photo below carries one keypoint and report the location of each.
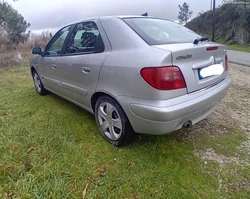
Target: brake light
(212, 48)
(226, 60)
(164, 78)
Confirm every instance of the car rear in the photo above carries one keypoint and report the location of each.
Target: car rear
(176, 82)
(188, 58)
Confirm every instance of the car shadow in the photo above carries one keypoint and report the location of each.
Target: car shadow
(138, 139)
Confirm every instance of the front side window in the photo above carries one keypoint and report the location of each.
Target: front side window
(160, 31)
(85, 38)
(56, 44)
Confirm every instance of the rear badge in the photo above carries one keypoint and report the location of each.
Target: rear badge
(188, 56)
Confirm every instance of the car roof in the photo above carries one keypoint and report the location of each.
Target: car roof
(117, 16)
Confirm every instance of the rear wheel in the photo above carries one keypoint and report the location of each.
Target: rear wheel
(113, 122)
(38, 84)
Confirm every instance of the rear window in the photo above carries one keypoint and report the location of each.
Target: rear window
(160, 31)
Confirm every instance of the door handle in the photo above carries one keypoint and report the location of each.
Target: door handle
(53, 66)
(86, 70)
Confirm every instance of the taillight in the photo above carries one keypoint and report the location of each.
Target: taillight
(212, 48)
(164, 78)
(226, 62)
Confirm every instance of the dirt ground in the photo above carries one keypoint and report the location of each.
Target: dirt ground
(237, 102)
(234, 111)
(235, 108)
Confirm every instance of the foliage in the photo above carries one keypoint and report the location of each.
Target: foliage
(13, 24)
(232, 24)
(40, 40)
(184, 13)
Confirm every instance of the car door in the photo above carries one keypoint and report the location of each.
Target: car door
(81, 63)
(48, 62)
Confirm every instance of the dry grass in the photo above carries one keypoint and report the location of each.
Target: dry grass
(8, 51)
(7, 58)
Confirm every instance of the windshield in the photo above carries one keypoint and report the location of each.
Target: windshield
(160, 31)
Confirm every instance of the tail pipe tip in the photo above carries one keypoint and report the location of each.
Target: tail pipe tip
(187, 125)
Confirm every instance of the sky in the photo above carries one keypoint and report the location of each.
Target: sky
(53, 14)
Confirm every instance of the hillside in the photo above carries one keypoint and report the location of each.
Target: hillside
(232, 24)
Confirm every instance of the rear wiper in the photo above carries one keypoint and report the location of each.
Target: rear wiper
(196, 41)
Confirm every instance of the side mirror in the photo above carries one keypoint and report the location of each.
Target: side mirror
(37, 51)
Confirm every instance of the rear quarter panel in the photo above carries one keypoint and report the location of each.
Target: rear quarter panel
(120, 74)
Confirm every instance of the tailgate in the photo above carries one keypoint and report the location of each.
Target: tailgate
(193, 60)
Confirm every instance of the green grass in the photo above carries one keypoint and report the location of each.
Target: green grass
(237, 47)
(225, 144)
(50, 148)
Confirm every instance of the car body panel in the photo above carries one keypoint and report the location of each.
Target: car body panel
(78, 75)
(128, 57)
(47, 71)
(164, 116)
(201, 58)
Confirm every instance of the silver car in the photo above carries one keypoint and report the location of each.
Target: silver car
(135, 74)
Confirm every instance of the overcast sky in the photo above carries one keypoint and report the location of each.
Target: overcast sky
(52, 14)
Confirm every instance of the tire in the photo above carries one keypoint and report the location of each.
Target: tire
(38, 84)
(113, 122)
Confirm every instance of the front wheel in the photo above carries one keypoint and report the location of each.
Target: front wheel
(38, 84)
(113, 122)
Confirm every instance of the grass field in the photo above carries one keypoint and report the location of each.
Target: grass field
(50, 148)
(237, 47)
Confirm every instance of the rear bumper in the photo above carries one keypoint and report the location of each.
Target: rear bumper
(161, 117)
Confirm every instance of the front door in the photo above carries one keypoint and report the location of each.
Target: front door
(48, 63)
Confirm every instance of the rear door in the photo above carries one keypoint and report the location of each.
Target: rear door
(80, 65)
(192, 59)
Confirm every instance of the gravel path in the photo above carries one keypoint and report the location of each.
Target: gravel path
(234, 110)
(238, 97)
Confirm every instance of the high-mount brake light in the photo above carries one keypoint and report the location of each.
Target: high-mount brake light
(212, 48)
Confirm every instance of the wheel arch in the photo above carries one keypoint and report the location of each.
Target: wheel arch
(32, 69)
(97, 95)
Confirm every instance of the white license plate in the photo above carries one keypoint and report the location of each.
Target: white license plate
(213, 70)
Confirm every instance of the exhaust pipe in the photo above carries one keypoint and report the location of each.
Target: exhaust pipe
(187, 125)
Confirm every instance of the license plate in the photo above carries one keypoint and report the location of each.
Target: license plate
(213, 70)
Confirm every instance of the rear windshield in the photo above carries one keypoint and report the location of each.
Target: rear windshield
(160, 31)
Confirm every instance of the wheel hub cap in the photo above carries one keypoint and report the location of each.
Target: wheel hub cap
(37, 82)
(109, 121)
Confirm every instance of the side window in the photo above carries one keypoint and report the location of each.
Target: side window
(85, 38)
(55, 46)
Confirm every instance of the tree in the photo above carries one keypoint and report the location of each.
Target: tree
(13, 24)
(46, 36)
(200, 13)
(184, 13)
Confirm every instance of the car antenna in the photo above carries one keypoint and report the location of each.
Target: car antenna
(145, 14)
